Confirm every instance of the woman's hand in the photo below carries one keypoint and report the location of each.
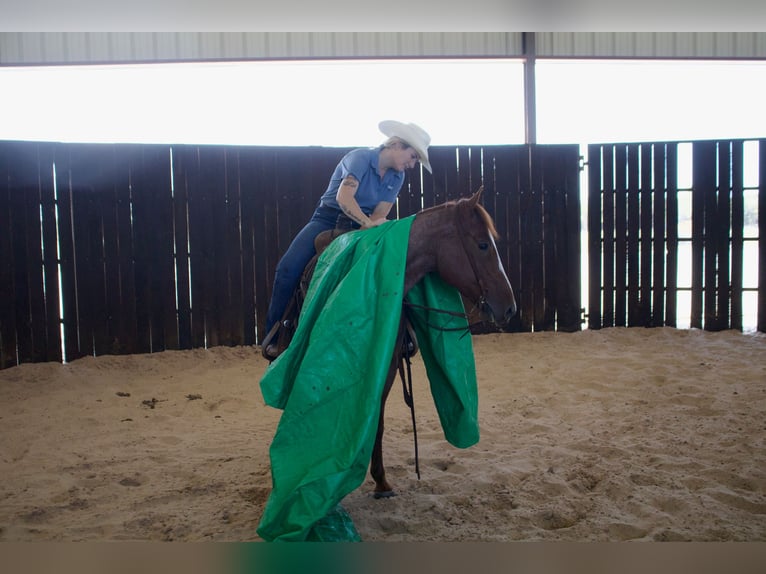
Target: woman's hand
(375, 222)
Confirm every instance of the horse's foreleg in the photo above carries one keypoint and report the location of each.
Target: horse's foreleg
(382, 488)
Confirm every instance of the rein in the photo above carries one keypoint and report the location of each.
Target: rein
(408, 396)
(467, 328)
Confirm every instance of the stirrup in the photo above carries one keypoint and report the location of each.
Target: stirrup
(410, 342)
(269, 350)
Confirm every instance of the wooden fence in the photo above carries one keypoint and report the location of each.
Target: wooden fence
(634, 239)
(117, 249)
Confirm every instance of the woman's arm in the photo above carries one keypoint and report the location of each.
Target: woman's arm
(348, 204)
(380, 213)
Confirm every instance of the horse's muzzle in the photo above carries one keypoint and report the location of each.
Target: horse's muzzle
(499, 317)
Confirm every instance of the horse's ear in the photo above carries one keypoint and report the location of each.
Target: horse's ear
(476, 196)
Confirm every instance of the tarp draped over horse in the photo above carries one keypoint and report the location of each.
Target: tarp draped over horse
(329, 380)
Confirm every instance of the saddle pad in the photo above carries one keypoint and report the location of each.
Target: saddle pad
(330, 379)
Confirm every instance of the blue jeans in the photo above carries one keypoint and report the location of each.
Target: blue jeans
(291, 265)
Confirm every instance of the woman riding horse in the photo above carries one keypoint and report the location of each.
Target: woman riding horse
(363, 187)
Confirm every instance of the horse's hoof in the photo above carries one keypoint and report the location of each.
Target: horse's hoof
(384, 494)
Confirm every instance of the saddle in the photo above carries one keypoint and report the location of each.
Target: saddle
(280, 335)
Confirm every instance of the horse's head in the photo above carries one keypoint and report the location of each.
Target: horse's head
(471, 263)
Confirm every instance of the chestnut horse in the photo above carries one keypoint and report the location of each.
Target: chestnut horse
(457, 241)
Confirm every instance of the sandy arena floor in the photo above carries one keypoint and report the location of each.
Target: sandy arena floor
(618, 434)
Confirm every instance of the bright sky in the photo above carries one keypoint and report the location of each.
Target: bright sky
(273, 103)
(626, 101)
(339, 103)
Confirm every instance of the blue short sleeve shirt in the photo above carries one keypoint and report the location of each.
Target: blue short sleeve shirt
(362, 163)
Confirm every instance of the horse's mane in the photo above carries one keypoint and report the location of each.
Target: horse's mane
(483, 213)
(488, 221)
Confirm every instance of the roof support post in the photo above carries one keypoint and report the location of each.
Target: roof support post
(530, 108)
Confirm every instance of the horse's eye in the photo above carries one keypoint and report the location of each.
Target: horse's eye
(483, 245)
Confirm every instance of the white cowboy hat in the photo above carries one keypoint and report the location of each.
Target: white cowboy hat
(412, 134)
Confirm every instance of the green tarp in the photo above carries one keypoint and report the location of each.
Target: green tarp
(330, 379)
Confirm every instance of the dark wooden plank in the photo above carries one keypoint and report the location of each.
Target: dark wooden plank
(8, 356)
(34, 259)
(737, 232)
(86, 230)
(189, 157)
(50, 253)
(462, 185)
(519, 162)
(269, 250)
(723, 225)
(711, 244)
(114, 332)
(475, 169)
(211, 191)
(284, 177)
(443, 184)
(109, 340)
(248, 200)
(213, 168)
(153, 192)
(659, 165)
(532, 234)
(105, 173)
(594, 237)
(621, 235)
(235, 334)
(762, 236)
(495, 200)
(607, 222)
(153, 223)
(671, 276)
(415, 182)
(229, 259)
(560, 170)
(575, 244)
(634, 235)
(408, 201)
(291, 194)
(568, 239)
(429, 187)
(181, 239)
(126, 298)
(20, 257)
(157, 162)
(470, 178)
(551, 194)
(23, 175)
(508, 178)
(200, 222)
(488, 201)
(70, 318)
(703, 187)
(142, 251)
(646, 236)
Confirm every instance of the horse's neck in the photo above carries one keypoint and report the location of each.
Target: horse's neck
(427, 230)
